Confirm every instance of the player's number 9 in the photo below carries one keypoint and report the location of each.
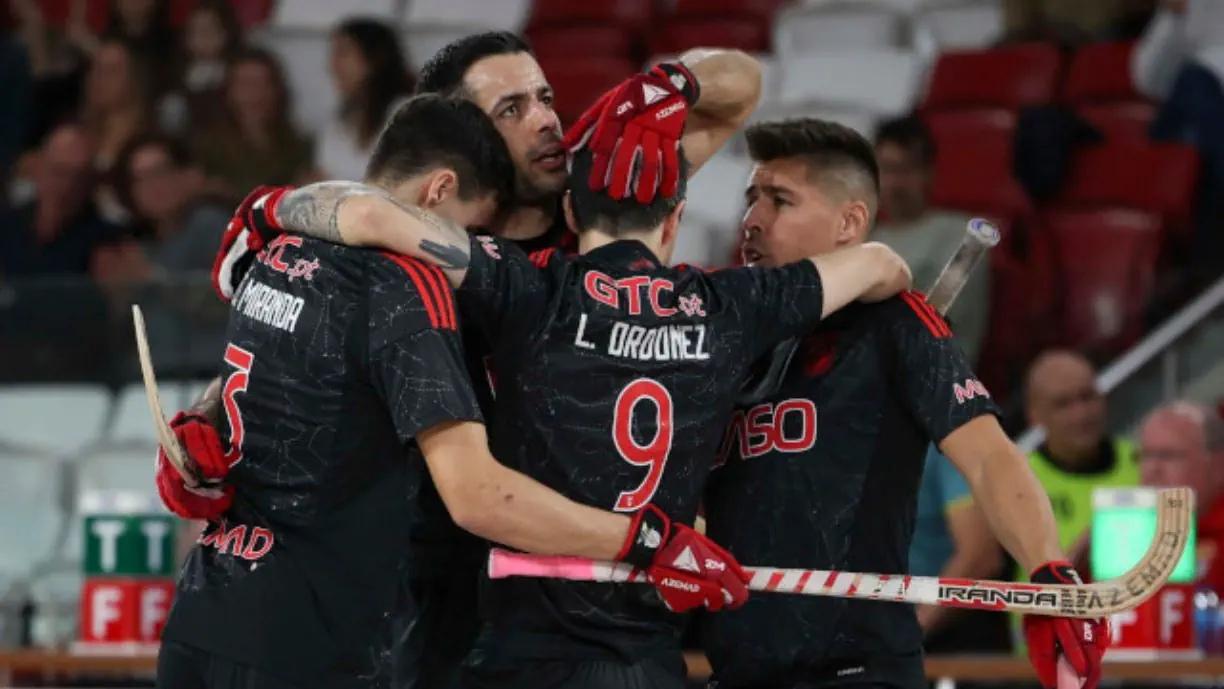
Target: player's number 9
(655, 452)
(241, 360)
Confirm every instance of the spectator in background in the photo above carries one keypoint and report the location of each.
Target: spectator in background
(925, 237)
(254, 142)
(1068, 22)
(371, 79)
(56, 70)
(17, 109)
(143, 24)
(1182, 444)
(952, 539)
(116, 111)
(59, 229)
(1061, 397)
(212, 37)
(175, 231)
(1180, 62)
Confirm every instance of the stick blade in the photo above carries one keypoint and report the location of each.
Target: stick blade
(165, 435)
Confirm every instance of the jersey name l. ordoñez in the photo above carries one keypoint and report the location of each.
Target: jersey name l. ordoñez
(824, 474)
(615, 376)
(336, 359)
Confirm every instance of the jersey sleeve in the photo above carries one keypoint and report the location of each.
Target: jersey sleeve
(415, 353)
(772, 304)
(504, 285)
(931, 374)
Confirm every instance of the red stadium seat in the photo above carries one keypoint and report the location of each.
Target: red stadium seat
(678, 35)
(580, 82)
(1107, 268)
(55, 12)
(1156, 178)
(1120, 121)
(975, 176)
(762, 9)
(1100, 72)
(1010, 340)
(956, 126)
(250, 12)
(582, 40)
(635, 14)
(1010, 78)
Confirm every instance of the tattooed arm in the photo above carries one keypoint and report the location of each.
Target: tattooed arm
(362, 215)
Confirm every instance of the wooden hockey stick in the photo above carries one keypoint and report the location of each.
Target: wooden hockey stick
(1175, 509)
(165, 436)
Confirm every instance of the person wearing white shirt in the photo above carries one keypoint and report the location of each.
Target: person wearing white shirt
(372, 79)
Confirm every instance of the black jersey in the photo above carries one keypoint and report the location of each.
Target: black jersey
(615, 378)
(824, 474)
(336, 359)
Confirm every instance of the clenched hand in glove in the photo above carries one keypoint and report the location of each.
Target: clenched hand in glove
(687, 569)
(633, 133)
(201, 442)
(1081, 643)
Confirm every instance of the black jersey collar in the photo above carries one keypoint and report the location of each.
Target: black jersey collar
(625, 253)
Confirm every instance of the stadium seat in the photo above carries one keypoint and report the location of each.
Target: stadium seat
(883, 82)
(761, 9)
(579, 83)
(975, 176)
(304, 54)
(582, 40)
(1010, 77)
(51, 419)
(56, 12)
(1120, 121)
(325, 14)
(1156, 178)
(1107, 268)
(634, 14)
(956, 126)
(250, 12)
(960, 24)
(123, 472)
(860, 26)
(423, 42)
(30, 516)
(131, 423)
(678, 34)
(1100, 73)
(509, 15)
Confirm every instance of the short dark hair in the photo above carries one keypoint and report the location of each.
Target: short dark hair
(444, 72)
(595, 209)
(430, 131)
(827, 147)
(176, 151)
(911, 134)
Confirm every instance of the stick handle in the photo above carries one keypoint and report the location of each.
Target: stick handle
(980, 237)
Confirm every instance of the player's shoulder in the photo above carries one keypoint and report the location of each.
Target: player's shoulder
(412, 289)
(909, 308)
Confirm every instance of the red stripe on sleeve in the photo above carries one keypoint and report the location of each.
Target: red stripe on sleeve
(542, 257)
(926, 314)
(447, 300)
(414, 270)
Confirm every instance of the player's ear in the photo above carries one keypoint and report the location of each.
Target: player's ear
(671, 224)
(567, 205)
(855, 221)
(443, 184)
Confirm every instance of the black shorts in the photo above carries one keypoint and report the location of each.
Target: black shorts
(184, 667)
(430, 646)
(579, 674)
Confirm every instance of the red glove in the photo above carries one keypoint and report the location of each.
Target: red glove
(687, 569)
(203, 445)
(252, 227)
(634, 133)
(1080, 642)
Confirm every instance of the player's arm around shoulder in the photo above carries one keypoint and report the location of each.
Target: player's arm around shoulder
(362, 215)
(868, 272)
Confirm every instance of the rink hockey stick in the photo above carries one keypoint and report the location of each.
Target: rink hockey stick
(1175, 509)
(165, 435)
